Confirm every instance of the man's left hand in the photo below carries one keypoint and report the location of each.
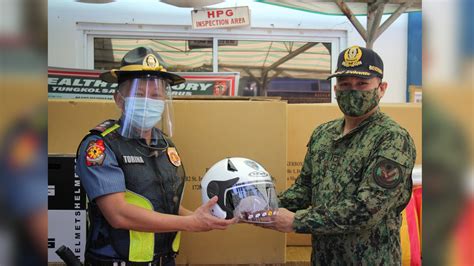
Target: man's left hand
(283, 221)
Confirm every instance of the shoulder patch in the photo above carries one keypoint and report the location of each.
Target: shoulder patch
(95, 152)
(387, 173)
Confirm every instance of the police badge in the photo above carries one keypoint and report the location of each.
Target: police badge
(173, 156)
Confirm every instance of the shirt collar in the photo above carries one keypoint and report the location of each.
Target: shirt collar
(337, 129)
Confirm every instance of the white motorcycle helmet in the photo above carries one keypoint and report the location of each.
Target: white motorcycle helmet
(244, 190)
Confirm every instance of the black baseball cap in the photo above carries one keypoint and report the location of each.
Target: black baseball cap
(141, 61)
(359, 62)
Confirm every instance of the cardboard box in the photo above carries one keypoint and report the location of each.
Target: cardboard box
(304, 118)
(205, 132)
(209, 130)
(16, 88)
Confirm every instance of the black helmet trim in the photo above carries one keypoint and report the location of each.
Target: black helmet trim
(218, 188)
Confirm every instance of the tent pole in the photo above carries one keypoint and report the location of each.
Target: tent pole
(393, 17)
(374, 16)
(347, 11)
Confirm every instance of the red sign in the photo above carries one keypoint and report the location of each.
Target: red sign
(221, 18)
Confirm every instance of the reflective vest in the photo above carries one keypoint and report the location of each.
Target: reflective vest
(152, 182)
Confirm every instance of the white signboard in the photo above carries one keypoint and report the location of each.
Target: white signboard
(68, 228)
(66, 208)
(221, 17)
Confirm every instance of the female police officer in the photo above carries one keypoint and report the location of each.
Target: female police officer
(133, 175)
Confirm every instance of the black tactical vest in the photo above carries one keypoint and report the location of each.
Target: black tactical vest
(149, 173)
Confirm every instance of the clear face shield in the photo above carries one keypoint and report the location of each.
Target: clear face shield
(146, 104)
(254, 202)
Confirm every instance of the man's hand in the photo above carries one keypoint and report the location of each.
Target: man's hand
(283, 221)
(203, 220)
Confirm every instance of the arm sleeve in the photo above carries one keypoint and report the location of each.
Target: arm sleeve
(298, 196)
(381, 191)
(99, 179)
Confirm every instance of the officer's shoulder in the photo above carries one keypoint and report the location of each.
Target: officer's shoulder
(321, 129)
(104, 126)
(107, 128)
(101, 130)
(327, 125)
(395, 136)
(388, 126)
(91, 137)
(88, 141)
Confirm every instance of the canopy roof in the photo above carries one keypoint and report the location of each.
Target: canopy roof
(255, 59)
(373, 9)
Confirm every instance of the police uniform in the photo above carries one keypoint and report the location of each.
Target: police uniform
(351, 191)
(150, 175)
(109, 163)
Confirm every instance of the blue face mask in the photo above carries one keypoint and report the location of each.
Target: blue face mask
(143, 113)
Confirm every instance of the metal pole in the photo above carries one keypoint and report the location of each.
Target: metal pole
(290, 55)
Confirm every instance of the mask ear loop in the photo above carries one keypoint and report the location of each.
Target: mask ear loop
(121, 96)
(123, 99)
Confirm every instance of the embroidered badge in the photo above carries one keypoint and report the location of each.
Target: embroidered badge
(173, 156)
(352, 57)
(387, 174)
(95, 152)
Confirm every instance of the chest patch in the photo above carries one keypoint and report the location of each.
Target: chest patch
(173, 156)
(133, 159)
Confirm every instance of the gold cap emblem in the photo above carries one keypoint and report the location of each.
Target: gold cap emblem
(151, 61)
(352, 57)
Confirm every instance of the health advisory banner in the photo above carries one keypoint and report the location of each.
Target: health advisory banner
(85, 84)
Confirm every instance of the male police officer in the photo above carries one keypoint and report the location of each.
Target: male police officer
(133, 175)
(356, 176)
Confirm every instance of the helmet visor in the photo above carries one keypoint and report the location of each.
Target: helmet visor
(254, 202)
(147, 103)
